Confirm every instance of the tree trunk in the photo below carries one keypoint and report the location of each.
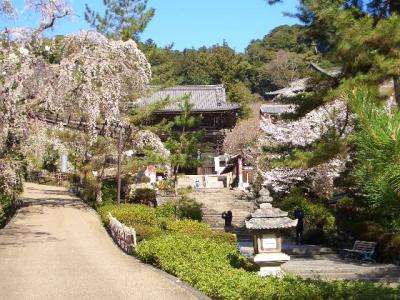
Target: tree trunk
(99, 195)
(119, 167)
(396, 83)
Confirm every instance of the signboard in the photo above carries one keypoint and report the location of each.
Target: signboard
(269, 242)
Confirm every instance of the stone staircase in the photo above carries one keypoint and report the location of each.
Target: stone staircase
(340, 269)
(216, 201)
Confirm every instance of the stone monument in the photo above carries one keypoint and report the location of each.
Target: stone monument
(266, 225)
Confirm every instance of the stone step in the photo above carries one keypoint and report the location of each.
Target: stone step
(350, 276)
(341, 269)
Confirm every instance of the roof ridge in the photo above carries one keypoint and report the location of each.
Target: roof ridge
(195, 87)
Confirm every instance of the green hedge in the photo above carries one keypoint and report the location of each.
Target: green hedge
(211, 263)
(318, 218)
(140, 217)
(183, 208)
(194, 228)
(144, 196)
(211, 266)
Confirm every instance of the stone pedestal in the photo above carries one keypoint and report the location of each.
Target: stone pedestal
(270, 263)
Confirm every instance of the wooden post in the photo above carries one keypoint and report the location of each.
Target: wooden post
(396, 83)
(119, 166)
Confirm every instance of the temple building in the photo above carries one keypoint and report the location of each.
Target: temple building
(208, 101)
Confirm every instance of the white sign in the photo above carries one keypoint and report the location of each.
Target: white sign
(269, 241)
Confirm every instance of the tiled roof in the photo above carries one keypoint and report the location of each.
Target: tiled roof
(268, 217)
(259, 224)
(203, 98)
(292, 90)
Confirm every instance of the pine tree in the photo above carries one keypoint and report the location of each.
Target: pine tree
(361, 36)
(184, 142)
(123, 19)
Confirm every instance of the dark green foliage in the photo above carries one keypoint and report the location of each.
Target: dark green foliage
(318, 217)
(315, 236)
(123, 19)
(140, 217)
(184, 142)
(6, 209)
(319, 153)
(239, 93)
(377, 168)
(167, 211)
(50, 159)
(129, 214)
(11, 186)
(144, 196)
(289, 38)
(188, 208)
(218, 270)
(183, 208)
(109, 191)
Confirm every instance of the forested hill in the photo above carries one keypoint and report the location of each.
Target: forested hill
(267, 64)
(341, 146)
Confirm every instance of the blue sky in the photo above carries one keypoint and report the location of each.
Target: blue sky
(191, 23)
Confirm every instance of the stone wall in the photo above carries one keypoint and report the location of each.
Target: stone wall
(124, 237)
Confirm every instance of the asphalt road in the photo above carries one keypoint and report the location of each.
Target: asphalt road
(57, 248)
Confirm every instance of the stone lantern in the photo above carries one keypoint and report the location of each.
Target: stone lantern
(266, 225)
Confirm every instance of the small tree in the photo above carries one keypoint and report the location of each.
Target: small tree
(284, 68)
(184, 143)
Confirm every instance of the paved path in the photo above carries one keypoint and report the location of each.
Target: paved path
(56, 248)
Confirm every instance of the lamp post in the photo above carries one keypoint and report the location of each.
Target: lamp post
(266, 225)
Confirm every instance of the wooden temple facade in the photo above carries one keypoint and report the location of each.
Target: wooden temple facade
(208, 101)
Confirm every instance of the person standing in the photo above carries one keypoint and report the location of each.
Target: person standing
(299, 215)
(227, 216)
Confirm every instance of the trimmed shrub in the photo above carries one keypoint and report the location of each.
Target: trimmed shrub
(211, 267)
(167, 210)
(225, 237)
(184, 208)
(144, 196)
(140, 217)
(129, 214)
(194, 228)
(188, 208)
(145, 232)
(190, 227)
(109, 191)
(316, 215)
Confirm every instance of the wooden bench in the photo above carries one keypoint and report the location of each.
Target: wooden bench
(361, 250)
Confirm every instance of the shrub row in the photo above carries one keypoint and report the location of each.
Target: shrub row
(216, 268)
(319, 220)
(140, 217)
(211, 263)
(196, 229)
